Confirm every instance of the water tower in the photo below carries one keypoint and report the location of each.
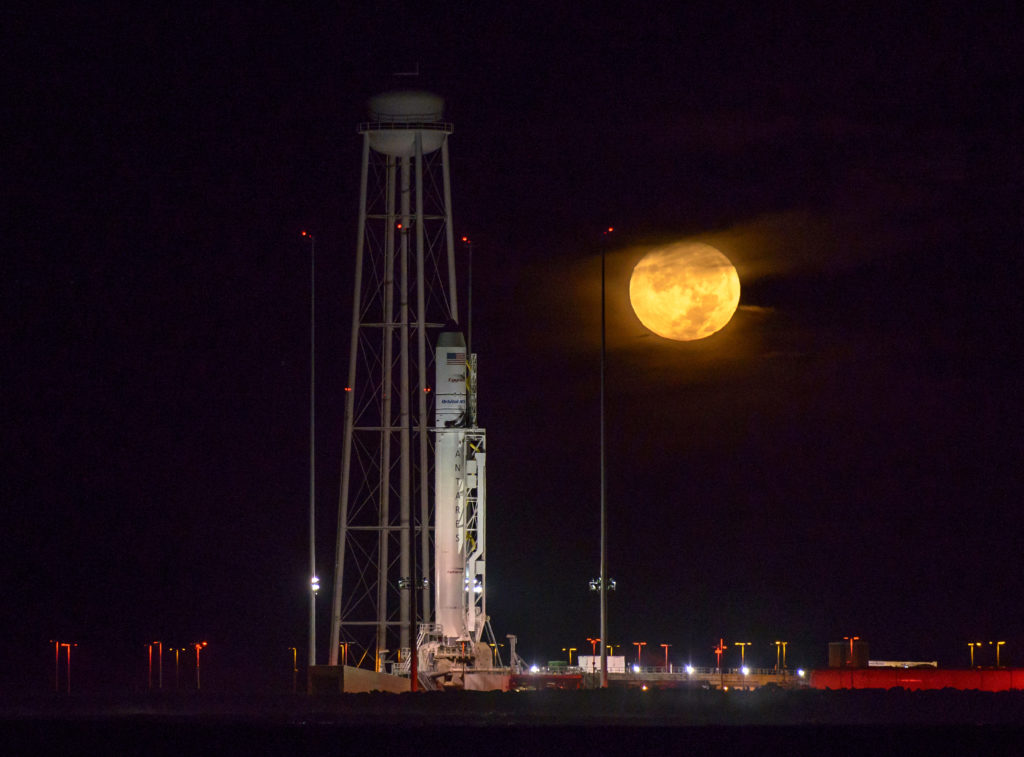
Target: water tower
(405, 363)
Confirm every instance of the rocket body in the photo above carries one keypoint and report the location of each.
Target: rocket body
(450, 412)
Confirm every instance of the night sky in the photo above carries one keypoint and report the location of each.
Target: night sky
(844, 458)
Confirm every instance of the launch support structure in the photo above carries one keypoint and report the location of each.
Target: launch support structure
(399, 425)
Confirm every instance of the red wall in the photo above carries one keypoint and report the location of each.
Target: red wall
(1002, 679)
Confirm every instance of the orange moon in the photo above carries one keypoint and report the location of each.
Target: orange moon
(685, 291)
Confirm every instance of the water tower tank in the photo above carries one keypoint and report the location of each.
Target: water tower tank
(396, 117)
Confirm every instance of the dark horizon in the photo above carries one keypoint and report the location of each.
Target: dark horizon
(842, 459)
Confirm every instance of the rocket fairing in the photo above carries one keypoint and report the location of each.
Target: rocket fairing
(449, 419)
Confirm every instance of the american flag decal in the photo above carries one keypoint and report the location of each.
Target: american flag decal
(456, 358)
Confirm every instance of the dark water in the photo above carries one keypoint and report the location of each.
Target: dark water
(157, 738)
(532, 723)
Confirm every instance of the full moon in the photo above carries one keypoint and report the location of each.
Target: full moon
(684, 292)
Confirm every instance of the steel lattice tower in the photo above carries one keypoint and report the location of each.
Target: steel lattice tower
(404, 287)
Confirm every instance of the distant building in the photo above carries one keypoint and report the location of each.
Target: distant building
(592, 663)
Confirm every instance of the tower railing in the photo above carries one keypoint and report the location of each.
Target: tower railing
(444, 126)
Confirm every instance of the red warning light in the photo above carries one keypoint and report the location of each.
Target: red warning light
(426, 389)
(348, 388)
(398, 225)
(466, 240)
(305, 233)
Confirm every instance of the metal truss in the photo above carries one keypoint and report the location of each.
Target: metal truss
(404, 286)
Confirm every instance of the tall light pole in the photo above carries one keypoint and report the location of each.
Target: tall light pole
(56, 664)
(604, 519)
(199, 646)
(998, 644)
(593, 652)
(570, 650)
(159, 662)
(852, 639)
(177, 669)
(780, 648)
(314, 581)
(295, 669)
(718, 652)
(743, 648)
(67, 647)
(665, 647)
(639, 651)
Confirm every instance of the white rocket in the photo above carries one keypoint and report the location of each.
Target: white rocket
(459, 502)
